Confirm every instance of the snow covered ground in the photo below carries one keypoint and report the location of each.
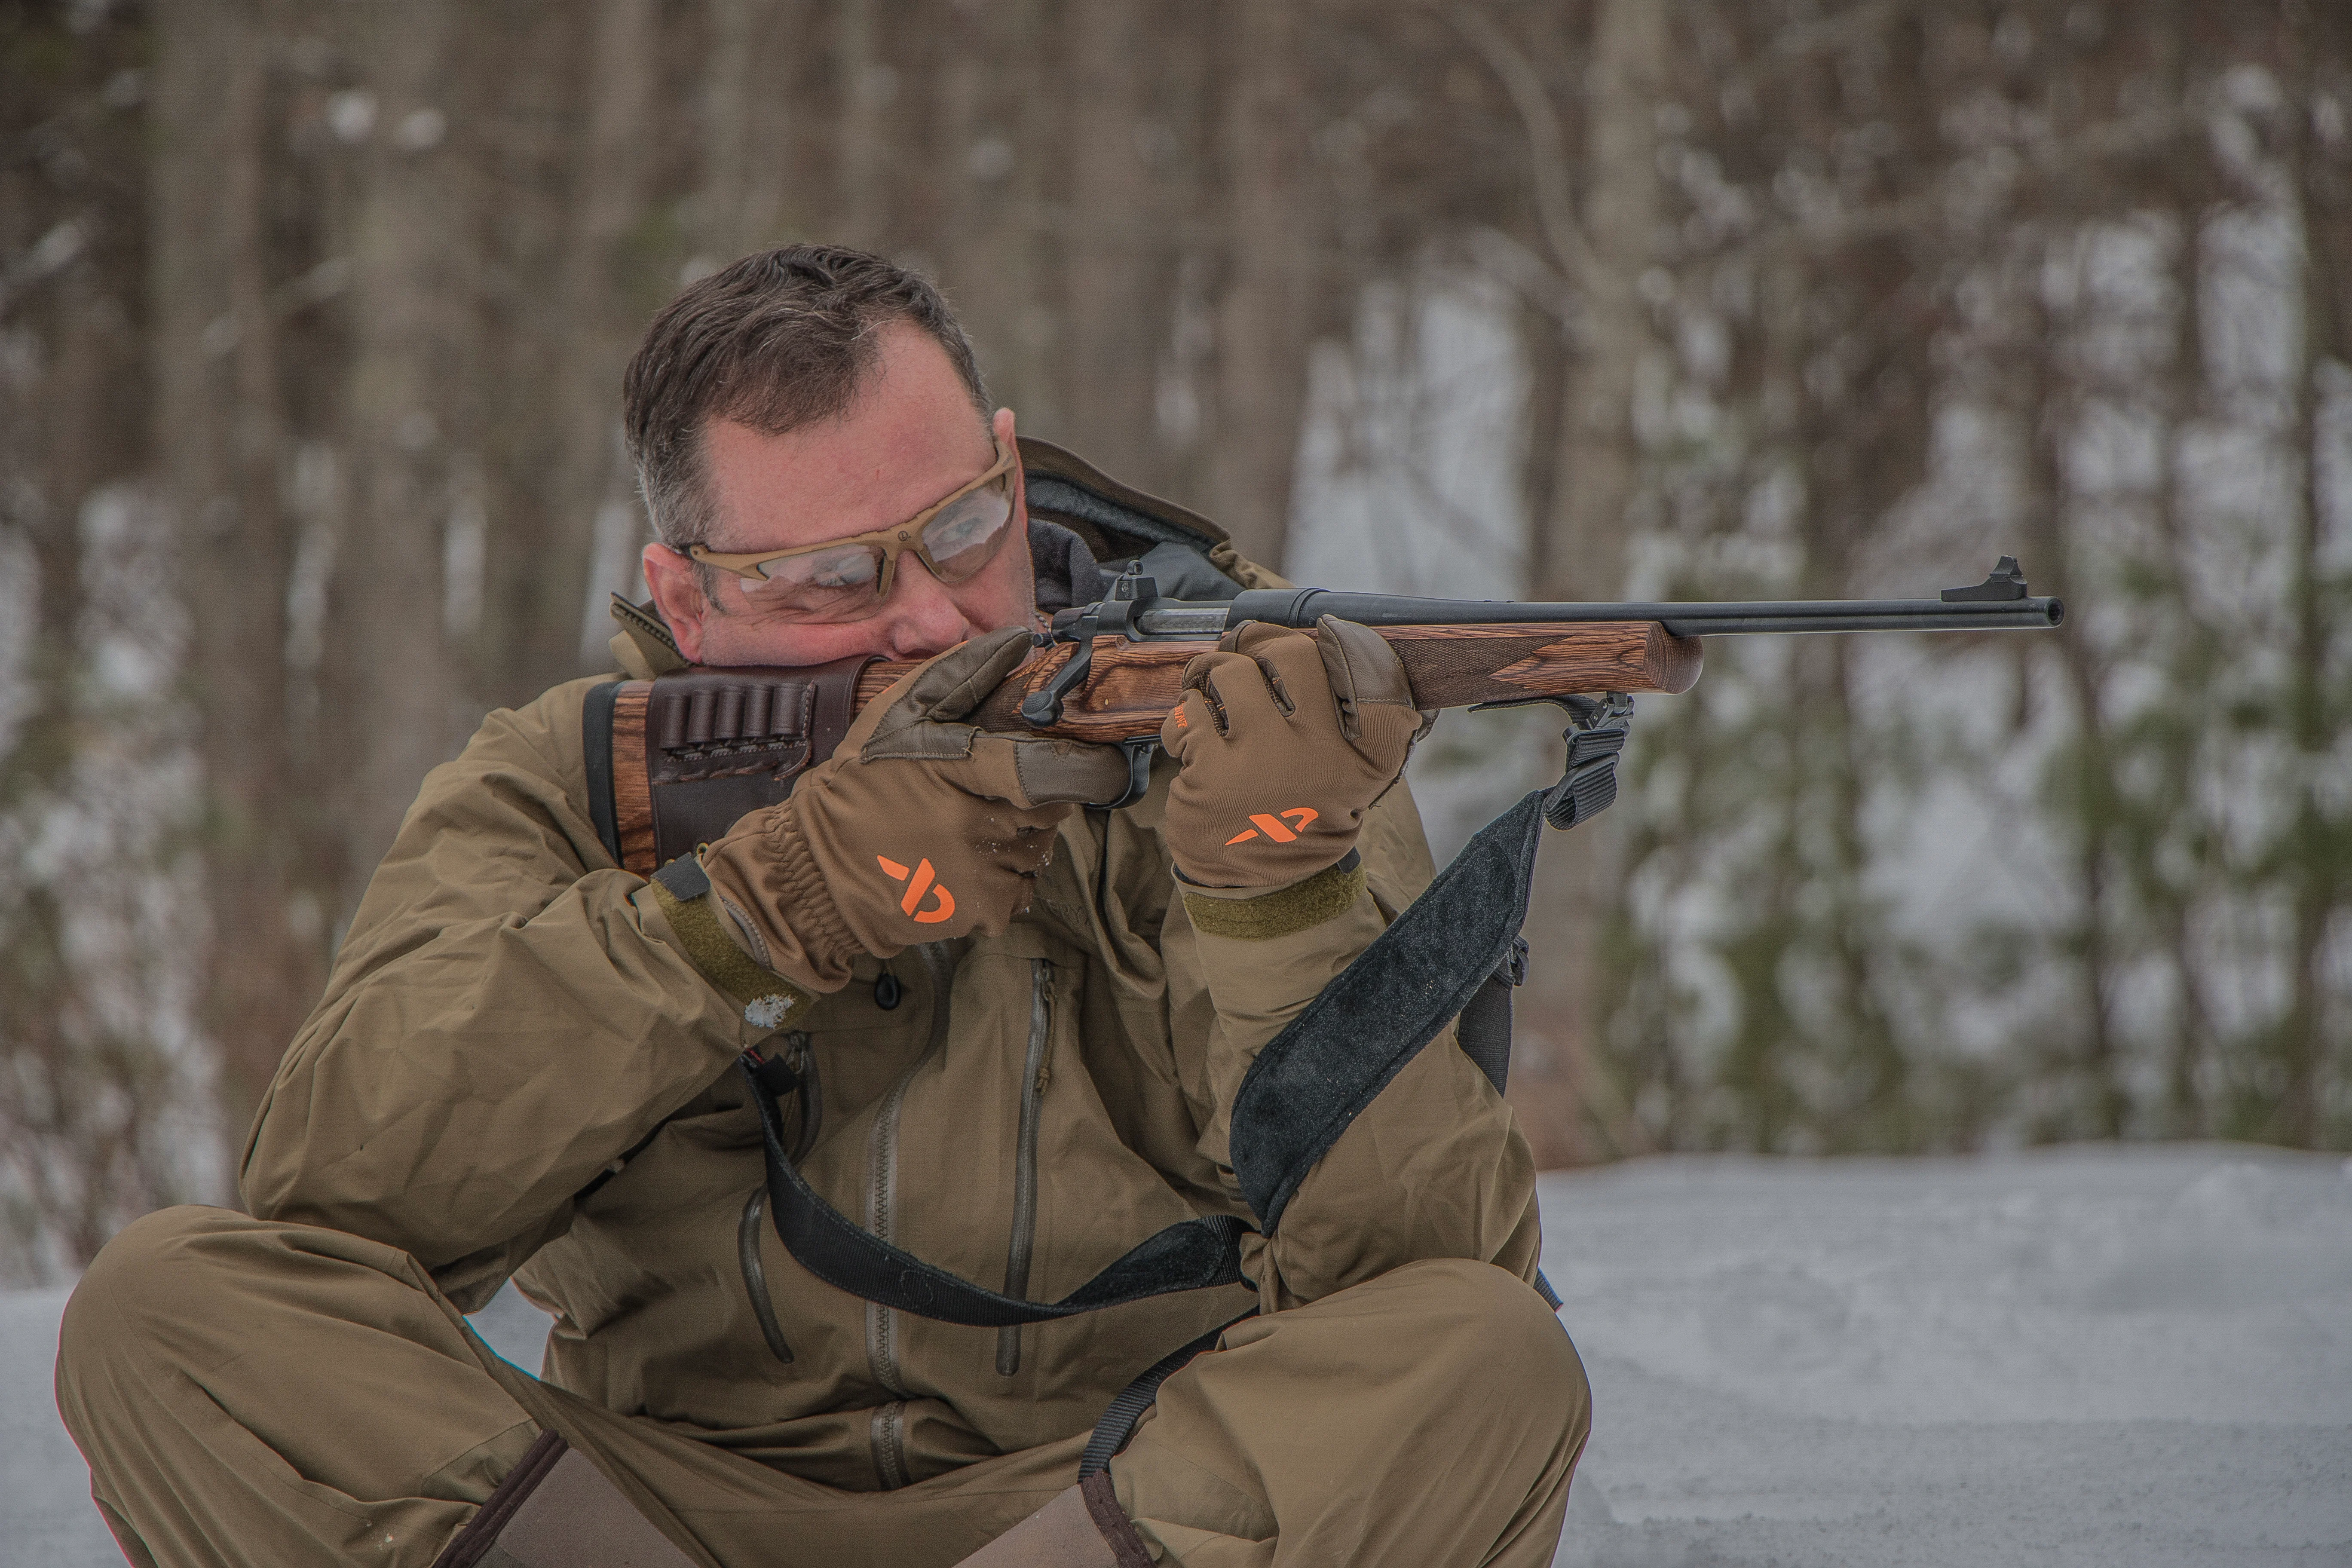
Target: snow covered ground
(2138, 1357)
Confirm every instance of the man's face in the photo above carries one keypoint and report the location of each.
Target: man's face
(909, 441)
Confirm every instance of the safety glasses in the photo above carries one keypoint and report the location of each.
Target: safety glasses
(847, 579)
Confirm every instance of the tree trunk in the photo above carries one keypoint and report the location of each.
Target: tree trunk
(1120, 291)
(2042, 426)
(860, 150)
(82, 1085)
(1263, 321)
(389, 684)
(2178, 188)
(2321, 854)
(1580, 553)
(747, 116)
(555, 621)
(218, 427)
(1001, 116)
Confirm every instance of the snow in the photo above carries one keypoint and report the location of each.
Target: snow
(45, 1510)
(2137, 1356)
(2086, 1356)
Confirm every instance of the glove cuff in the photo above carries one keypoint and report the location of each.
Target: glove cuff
(1248, 915)
(823, 935)
(767, 869)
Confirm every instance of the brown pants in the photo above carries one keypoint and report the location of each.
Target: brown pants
(248, 1392)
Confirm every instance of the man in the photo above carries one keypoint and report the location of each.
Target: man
(523, 1066)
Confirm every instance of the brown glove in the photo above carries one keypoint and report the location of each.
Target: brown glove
(1286, 738)
(919, 828)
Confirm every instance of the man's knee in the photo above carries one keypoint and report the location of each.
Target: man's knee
(193, 1288)
(168, 1261)
(1500, 1338)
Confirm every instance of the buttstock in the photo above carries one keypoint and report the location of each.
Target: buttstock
(1133, 685)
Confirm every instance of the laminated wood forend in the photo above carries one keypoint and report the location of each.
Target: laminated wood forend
(1134, 685)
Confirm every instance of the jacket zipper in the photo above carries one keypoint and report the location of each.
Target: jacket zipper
(888, 1434)
(1033, 1073)
(888, 1427)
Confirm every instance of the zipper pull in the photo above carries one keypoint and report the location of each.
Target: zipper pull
(887, 991)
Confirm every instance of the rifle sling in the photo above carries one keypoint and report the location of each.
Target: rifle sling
(1331, 1061)
(596, 744)
(1192, 1255)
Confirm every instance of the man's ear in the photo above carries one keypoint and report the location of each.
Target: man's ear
(1000, 425)
(677, 594)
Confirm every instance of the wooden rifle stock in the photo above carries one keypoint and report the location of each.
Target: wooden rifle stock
(1133, 685)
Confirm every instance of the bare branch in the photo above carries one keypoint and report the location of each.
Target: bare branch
(2129, 136)
(1546, 147)
(1529, 274)
(1797, 43)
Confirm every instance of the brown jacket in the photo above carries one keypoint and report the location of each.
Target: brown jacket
(516, 1071)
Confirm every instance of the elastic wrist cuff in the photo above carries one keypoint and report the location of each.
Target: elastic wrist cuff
(768, 999)
(1327, 895)
(825, 935)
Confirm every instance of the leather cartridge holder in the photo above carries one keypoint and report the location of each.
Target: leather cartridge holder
(676, 760)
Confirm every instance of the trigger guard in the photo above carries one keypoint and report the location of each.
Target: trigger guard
(1140, 752)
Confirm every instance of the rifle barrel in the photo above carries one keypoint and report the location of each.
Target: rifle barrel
(1302, 606)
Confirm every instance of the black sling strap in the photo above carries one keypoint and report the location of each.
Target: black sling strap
(1192, 1255)
(1331, 1061)
(1315, 1077)
(1119, 1422)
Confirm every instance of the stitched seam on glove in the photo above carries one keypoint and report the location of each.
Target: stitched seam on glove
(727, 965)
(815, 917)
(1325, 896)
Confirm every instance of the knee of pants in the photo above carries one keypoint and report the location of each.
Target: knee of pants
(1504, 1339)
(167, 1262)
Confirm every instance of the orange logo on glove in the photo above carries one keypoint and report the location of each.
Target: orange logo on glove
(1299, 815)
(921, 880)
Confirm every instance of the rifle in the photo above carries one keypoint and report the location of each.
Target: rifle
(676, 760)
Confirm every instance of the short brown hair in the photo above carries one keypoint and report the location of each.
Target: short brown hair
(776, 341)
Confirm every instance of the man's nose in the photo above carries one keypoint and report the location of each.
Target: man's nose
(921, 618)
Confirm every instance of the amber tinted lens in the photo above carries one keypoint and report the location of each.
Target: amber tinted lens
(963, 538)
(838, 581)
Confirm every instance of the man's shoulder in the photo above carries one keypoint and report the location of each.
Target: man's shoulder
(546, 733)
(536, 751)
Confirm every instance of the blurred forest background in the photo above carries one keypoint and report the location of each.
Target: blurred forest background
(313, 314)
